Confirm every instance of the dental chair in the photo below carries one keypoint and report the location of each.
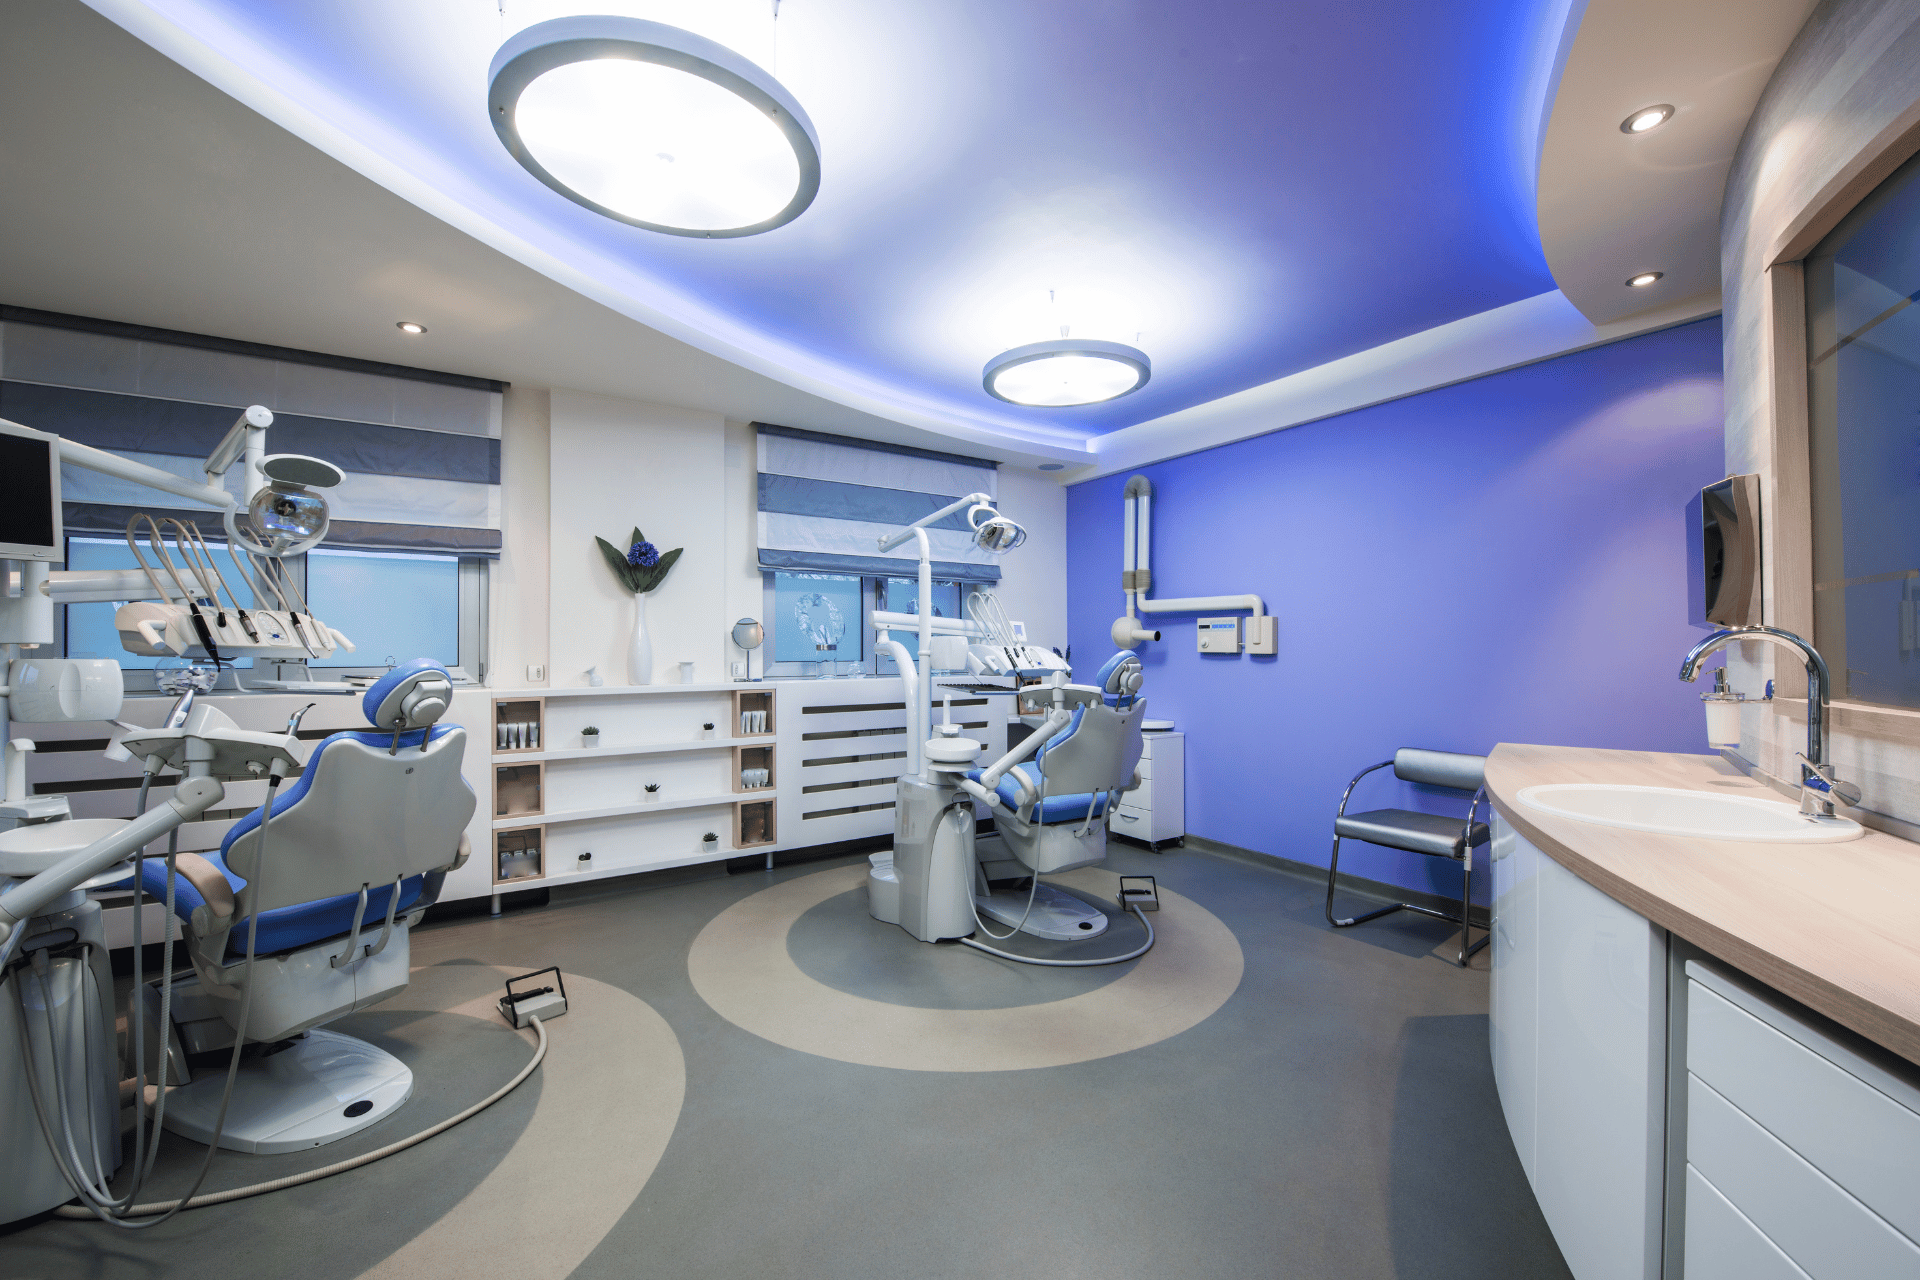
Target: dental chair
(1051, 812)
(354, 853)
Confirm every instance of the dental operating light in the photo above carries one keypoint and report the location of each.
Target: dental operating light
(654, 126)
(1066, 371)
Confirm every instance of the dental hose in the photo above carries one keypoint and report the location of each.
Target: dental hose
(171, 1207)
(1032, 893)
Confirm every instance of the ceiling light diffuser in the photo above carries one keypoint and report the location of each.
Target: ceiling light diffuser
(1647, 119)
(1644, 279)
(1066, 371)
(654, 126)
(410, 326)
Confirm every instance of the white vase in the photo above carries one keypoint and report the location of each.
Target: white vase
(640, 648)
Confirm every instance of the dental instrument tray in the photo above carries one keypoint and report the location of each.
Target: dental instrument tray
(544, 1003)
(977, 688)
(1139, 891)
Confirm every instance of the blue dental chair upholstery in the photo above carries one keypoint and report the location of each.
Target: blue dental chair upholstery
(1052, 808)
(356, 847)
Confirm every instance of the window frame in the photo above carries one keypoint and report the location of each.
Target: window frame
(873, 663)
(473, 616)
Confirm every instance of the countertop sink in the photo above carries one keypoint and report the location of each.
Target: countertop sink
(1673, 812)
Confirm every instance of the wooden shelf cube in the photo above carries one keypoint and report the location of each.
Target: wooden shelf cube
(524, 722)
(519, 855)
(519, 790)
(753, 824)
(753, 702)
(745, 758)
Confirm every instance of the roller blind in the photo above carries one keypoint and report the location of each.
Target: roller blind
(420, 449)
(825, 502)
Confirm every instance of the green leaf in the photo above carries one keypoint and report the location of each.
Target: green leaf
(651, 578)
(617, 561)
(637, 537)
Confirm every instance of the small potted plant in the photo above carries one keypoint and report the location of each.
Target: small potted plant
(710, 843)
(652, 792)
(590, 736)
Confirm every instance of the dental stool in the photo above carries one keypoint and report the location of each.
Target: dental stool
(1052, 810)
(1432, 834)
(356, 851)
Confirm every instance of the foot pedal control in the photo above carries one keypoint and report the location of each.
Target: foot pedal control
(544, 1003)
(1139, 891)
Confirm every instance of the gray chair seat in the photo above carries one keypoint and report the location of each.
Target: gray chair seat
(1428, 833)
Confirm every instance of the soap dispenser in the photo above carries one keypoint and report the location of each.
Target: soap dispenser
(1723, 712)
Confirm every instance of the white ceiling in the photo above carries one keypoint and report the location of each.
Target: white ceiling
(1613, 205)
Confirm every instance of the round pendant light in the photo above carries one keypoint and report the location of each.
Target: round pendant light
(1066, 371)
(654, 126)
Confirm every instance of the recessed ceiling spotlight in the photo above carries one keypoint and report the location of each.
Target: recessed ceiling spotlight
(653, 126)
(1647, 119)
(410, 326)
(1066, 371)
(1053, 466)
(1644, 279)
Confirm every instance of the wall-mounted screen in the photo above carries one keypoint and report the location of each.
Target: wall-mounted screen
(29, 494)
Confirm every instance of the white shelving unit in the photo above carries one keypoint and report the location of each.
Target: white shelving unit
(832, 750)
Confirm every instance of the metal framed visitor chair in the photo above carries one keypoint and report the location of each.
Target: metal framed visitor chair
(1432, 834)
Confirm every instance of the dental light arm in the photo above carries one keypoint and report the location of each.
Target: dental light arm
(893, 540)
(191, 798)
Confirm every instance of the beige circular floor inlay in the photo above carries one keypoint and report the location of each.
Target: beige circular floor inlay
(740, 965)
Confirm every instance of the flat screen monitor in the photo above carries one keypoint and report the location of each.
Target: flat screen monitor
(29, 494)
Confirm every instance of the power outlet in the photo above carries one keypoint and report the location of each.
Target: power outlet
(536, 673)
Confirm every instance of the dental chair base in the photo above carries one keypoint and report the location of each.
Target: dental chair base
(1056, 916)
(931, 890)
(321, 1088)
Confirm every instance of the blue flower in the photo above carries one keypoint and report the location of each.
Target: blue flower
(643, 554)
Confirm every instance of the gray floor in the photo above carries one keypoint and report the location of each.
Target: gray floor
(1336, 1118)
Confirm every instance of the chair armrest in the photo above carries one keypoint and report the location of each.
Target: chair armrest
(217, 914)
(992, 798)
(1348, 793)
(461, 854)
(1055, 722)
(1466, 832)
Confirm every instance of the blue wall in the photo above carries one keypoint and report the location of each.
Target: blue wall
(1499, 561)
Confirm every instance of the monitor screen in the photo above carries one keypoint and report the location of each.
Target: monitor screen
(27, 516)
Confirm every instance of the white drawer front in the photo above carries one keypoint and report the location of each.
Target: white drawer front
(1722, 1245)
(1826, 1231)
(1844, 1127)
(1131, 821)
(1145, 767)
(1141, 797)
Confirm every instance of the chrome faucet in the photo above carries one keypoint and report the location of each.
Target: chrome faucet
(1818, 786)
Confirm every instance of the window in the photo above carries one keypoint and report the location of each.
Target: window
(394, 606)
(825, 618)
(1864, 437)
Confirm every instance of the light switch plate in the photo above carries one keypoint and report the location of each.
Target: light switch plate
(536, 672)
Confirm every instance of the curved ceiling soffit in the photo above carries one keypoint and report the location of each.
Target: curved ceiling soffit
(1612, 204)
(350, 133)
(255, 78)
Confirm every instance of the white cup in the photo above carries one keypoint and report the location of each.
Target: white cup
(686, 673)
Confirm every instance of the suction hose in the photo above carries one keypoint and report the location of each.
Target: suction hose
(314, 1175)
(1063, 964)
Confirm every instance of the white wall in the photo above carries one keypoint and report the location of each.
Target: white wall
(1034, 588)
(615, 464)
(575, 465)
(519, 604)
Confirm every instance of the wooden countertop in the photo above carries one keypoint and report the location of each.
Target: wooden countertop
(1835, 926)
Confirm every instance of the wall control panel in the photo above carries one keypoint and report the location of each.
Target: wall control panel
(1263, 635)
(1219, 635)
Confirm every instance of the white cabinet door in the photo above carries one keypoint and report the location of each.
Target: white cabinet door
(1579, 1040)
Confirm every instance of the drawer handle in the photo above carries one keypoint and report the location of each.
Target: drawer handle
(1129, 817)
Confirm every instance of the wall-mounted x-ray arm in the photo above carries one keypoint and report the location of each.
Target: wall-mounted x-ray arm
(1136, 574)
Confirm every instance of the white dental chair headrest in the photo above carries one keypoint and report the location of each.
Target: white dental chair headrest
(411, 696)
(1122, 675)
